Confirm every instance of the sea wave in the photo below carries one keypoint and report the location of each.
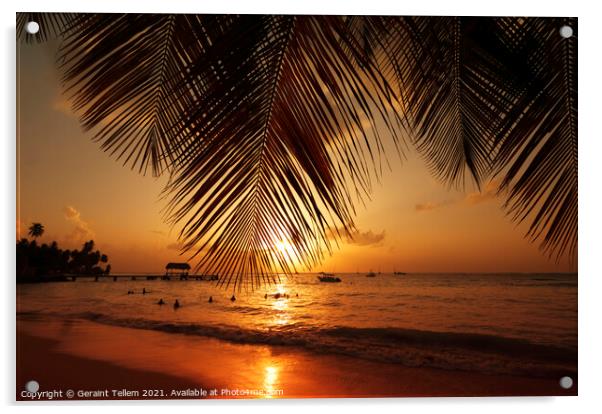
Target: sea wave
(416, 348)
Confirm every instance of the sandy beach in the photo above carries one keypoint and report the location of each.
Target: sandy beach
(89, 357)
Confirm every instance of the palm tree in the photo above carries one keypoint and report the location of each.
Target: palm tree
(272, 127)
(36, 230)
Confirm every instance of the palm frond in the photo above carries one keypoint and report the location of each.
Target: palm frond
(124, 75)
(497, 96)
(287, 132)
(537, 155)
(270, 126)
(455, 86)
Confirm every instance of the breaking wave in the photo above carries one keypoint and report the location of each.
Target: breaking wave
(416, 348)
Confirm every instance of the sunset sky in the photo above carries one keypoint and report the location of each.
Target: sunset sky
(413, 222)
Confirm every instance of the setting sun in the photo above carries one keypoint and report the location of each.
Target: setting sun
(286, 249)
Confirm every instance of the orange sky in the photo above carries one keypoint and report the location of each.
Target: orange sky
(413, 223)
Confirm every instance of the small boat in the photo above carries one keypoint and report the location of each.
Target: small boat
(399, 273)
(371, 274)
(328, 278)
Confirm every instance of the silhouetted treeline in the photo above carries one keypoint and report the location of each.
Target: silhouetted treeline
(49, 262)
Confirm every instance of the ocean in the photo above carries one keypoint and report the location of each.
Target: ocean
(517, 324)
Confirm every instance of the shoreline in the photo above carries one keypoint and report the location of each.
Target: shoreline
(83, 355)
(102, 375)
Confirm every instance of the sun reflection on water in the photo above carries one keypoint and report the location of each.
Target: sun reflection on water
(280, 305)
(269, 380)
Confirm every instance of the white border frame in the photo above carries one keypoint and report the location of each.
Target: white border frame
(590, 151)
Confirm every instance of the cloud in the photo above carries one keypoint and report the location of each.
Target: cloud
(367, 238)
(81, 229)
(429, 205)
(488, 193)
(71, 213)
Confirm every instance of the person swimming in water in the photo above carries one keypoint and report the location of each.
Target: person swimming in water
(266, 296)
(176, 304)
(161, 302)
(233, 298)
(210, 299)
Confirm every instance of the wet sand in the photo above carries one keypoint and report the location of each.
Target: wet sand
(81, 355)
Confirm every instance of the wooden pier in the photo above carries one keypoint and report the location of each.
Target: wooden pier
(115, 278)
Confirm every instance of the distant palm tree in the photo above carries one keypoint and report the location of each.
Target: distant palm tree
(36, 230)
(271, 127)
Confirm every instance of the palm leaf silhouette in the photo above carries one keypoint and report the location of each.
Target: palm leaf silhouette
(271, 127)
(453, 73)
(537, 140)
(125, 74)
(496, 97)
(271, 141)
(300, 136)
